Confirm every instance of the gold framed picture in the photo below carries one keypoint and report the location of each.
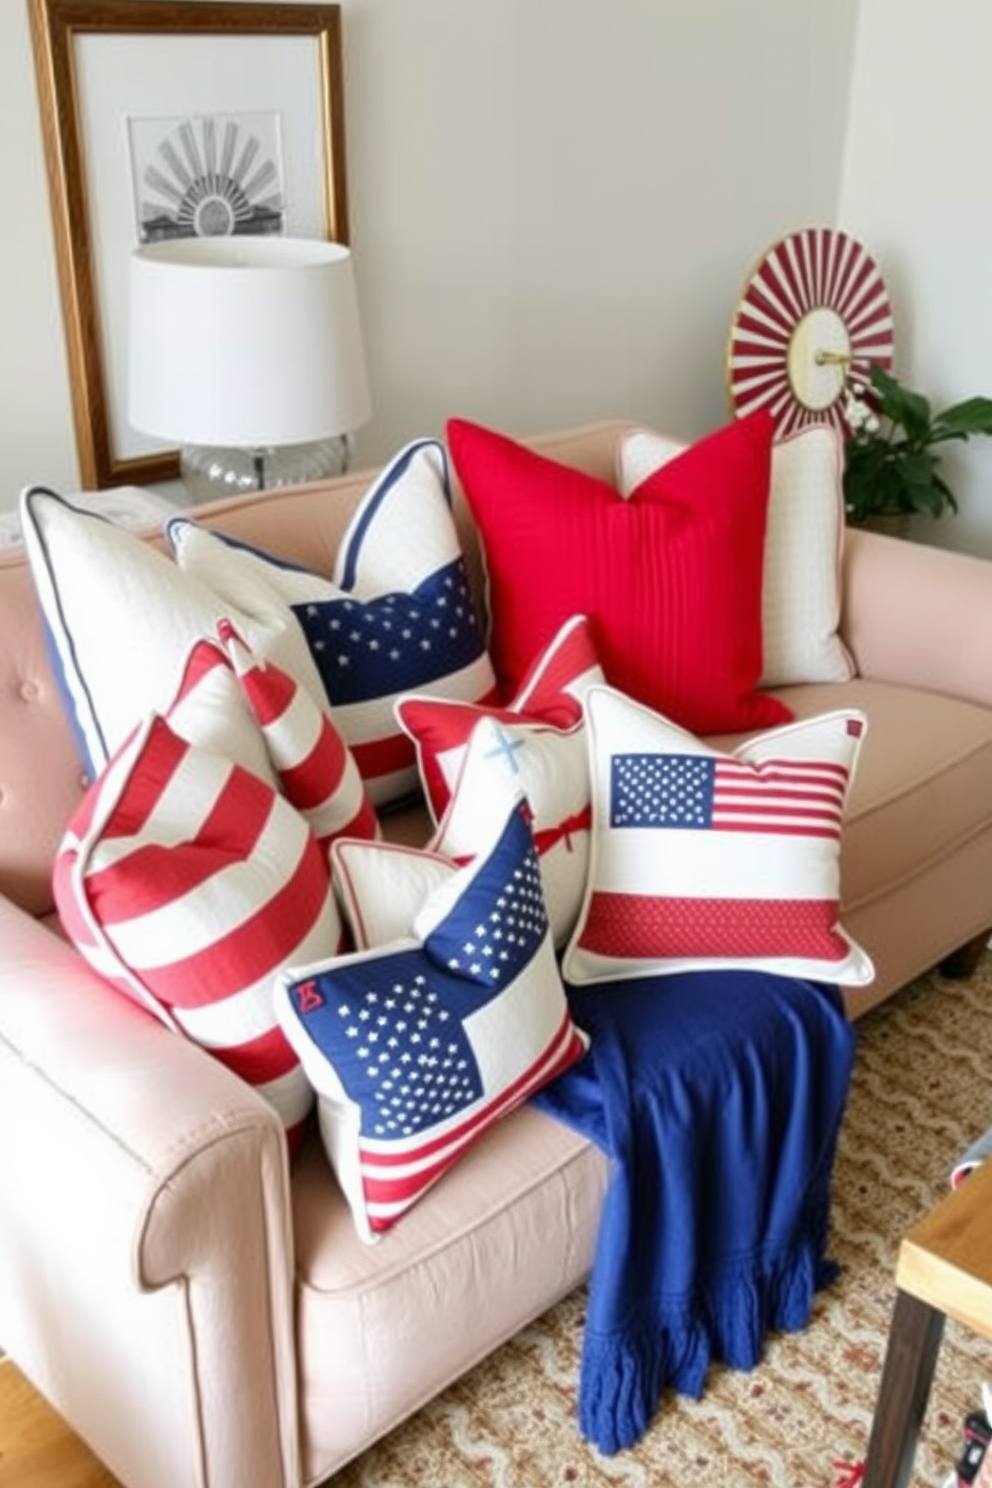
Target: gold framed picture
(174, 118)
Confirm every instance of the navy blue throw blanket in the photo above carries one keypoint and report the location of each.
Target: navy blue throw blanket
(718, 1097)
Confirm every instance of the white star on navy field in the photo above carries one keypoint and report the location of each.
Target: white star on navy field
(660, 790)
(502, 941)
(413, 1053)
(368, 648)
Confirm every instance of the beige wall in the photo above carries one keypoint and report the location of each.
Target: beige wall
(554, 206)
(36, 437)
(916, 186)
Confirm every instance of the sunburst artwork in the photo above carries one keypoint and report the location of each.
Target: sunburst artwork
(214, 175)
(812, 320)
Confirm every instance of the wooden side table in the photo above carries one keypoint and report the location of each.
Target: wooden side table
(944, 1270)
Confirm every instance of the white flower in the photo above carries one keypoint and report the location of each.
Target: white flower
(858, 416)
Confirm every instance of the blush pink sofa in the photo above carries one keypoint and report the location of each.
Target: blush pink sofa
(201, 1314)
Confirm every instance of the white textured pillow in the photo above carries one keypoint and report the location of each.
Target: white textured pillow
(381, 886)
(121, 618)
(803, 541)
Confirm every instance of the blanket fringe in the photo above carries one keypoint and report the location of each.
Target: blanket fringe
(675, 1340)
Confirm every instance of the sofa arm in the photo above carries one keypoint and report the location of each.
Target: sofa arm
(918, 616)
(145, 1235)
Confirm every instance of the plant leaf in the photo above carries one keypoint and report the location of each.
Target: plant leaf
(973, 416)
(901, 405)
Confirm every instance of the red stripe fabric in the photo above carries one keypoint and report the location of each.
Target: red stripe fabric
(642, 926)
(256, 948)
(404, 1188)
(314, 765)
(189, 883)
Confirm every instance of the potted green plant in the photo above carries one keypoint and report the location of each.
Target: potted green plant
(892, 468)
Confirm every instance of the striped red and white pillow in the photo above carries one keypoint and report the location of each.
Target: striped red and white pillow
(706, 859)
(316, 770)
(209, 709)
(188, 882)
(537, 745)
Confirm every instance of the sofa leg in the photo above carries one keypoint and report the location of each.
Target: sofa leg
(960, 964)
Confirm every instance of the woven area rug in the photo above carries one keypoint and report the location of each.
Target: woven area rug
(922, 1092)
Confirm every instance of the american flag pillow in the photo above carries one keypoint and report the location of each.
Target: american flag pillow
(550, 694)
(188, 882)
(314, 766)
(396, 615)
(703, 858)
(416, 1047)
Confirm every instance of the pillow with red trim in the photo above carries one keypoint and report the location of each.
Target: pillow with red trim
(671, 579)
(801, 593)
(551, 767)
(417, 1046)
(314, 767)
(706, 859)
(187, 882)
(381, 886)
(395, 616)
(550, 694)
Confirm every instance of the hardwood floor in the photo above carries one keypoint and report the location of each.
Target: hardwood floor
(37, 1449)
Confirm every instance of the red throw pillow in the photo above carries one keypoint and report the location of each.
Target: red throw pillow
(551, 696)
(670, 577)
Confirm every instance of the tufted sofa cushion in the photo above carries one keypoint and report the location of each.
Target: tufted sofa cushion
(42, 778)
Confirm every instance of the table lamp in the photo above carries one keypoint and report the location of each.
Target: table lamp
(247, 352)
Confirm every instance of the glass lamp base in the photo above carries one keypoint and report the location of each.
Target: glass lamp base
(210, 473)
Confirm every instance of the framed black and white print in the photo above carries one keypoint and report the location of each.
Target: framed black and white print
(210, 176)
(165, 119)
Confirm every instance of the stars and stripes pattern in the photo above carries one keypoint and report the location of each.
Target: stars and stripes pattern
(380, 646)
(706, 792)
(416, 1048)
(551, 767)
(396, 614)
(537, 744)
(715, 859)
(369, 652)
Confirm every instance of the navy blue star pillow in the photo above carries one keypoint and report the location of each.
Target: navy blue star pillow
(415, 1047)
(395, 616)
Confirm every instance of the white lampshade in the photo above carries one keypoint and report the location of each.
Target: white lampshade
(245, 341)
